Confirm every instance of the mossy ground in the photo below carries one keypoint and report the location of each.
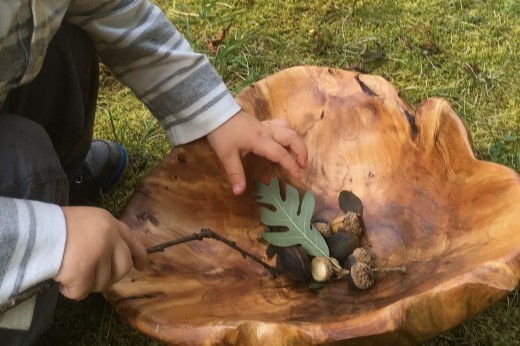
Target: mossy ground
(467, 51)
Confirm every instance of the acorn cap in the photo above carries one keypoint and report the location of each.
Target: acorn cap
(362, 255)
(352, 223)
(337, 223)
(321, 268)
(361, 276)
(323, 228)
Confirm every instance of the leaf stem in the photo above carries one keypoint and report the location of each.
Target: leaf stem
(335, 264)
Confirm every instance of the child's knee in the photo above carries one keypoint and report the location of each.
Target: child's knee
(28, 158)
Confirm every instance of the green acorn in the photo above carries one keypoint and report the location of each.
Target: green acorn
(321, 269)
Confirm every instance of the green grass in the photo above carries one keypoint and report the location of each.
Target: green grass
(465, 51)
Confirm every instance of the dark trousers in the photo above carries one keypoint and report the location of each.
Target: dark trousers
(45, 132)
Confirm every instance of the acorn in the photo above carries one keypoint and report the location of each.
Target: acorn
(321, 269)
(353, 223)
(348, 201)
(359, 254)
(350, 222)
(361, 276)
(292, 260)
(323, 228)
(337, 223)
(341, 245)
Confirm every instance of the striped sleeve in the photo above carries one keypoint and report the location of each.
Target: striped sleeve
(145, 51)
(32, 242)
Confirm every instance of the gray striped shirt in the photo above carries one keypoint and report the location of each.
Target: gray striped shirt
(145, 52)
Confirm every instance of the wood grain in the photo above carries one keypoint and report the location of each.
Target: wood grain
(429, 205)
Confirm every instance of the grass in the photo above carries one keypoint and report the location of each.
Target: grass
(465, 51)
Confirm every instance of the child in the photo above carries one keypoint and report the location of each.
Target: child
(48, 88)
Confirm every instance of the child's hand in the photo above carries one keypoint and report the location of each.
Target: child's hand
(99, 251)
(272, 139)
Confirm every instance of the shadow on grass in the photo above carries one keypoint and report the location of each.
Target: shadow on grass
(91, 321)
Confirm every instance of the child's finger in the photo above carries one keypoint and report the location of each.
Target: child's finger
(235, 172)
(277, 122)
(276, 152)
(287, 137)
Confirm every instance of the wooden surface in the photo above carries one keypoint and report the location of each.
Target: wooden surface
(429, 205)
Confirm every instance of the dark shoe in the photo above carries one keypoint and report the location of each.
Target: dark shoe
(101, 171)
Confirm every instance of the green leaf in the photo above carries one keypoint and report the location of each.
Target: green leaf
(300, 229)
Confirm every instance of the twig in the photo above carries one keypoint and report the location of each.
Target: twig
(244, 253)
(207, 233)
(162, 246)
(204, 233)
(23, 296)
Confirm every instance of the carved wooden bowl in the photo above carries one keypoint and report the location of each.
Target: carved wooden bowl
(429, 205)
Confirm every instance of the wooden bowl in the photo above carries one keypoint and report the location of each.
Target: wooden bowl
(429, 205)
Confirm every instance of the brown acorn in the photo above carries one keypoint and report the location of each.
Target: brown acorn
(348, 201)
(342, 244)
(292, 260)
(361, 276)
(337, 224)
(353, 223)
(349, 222)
